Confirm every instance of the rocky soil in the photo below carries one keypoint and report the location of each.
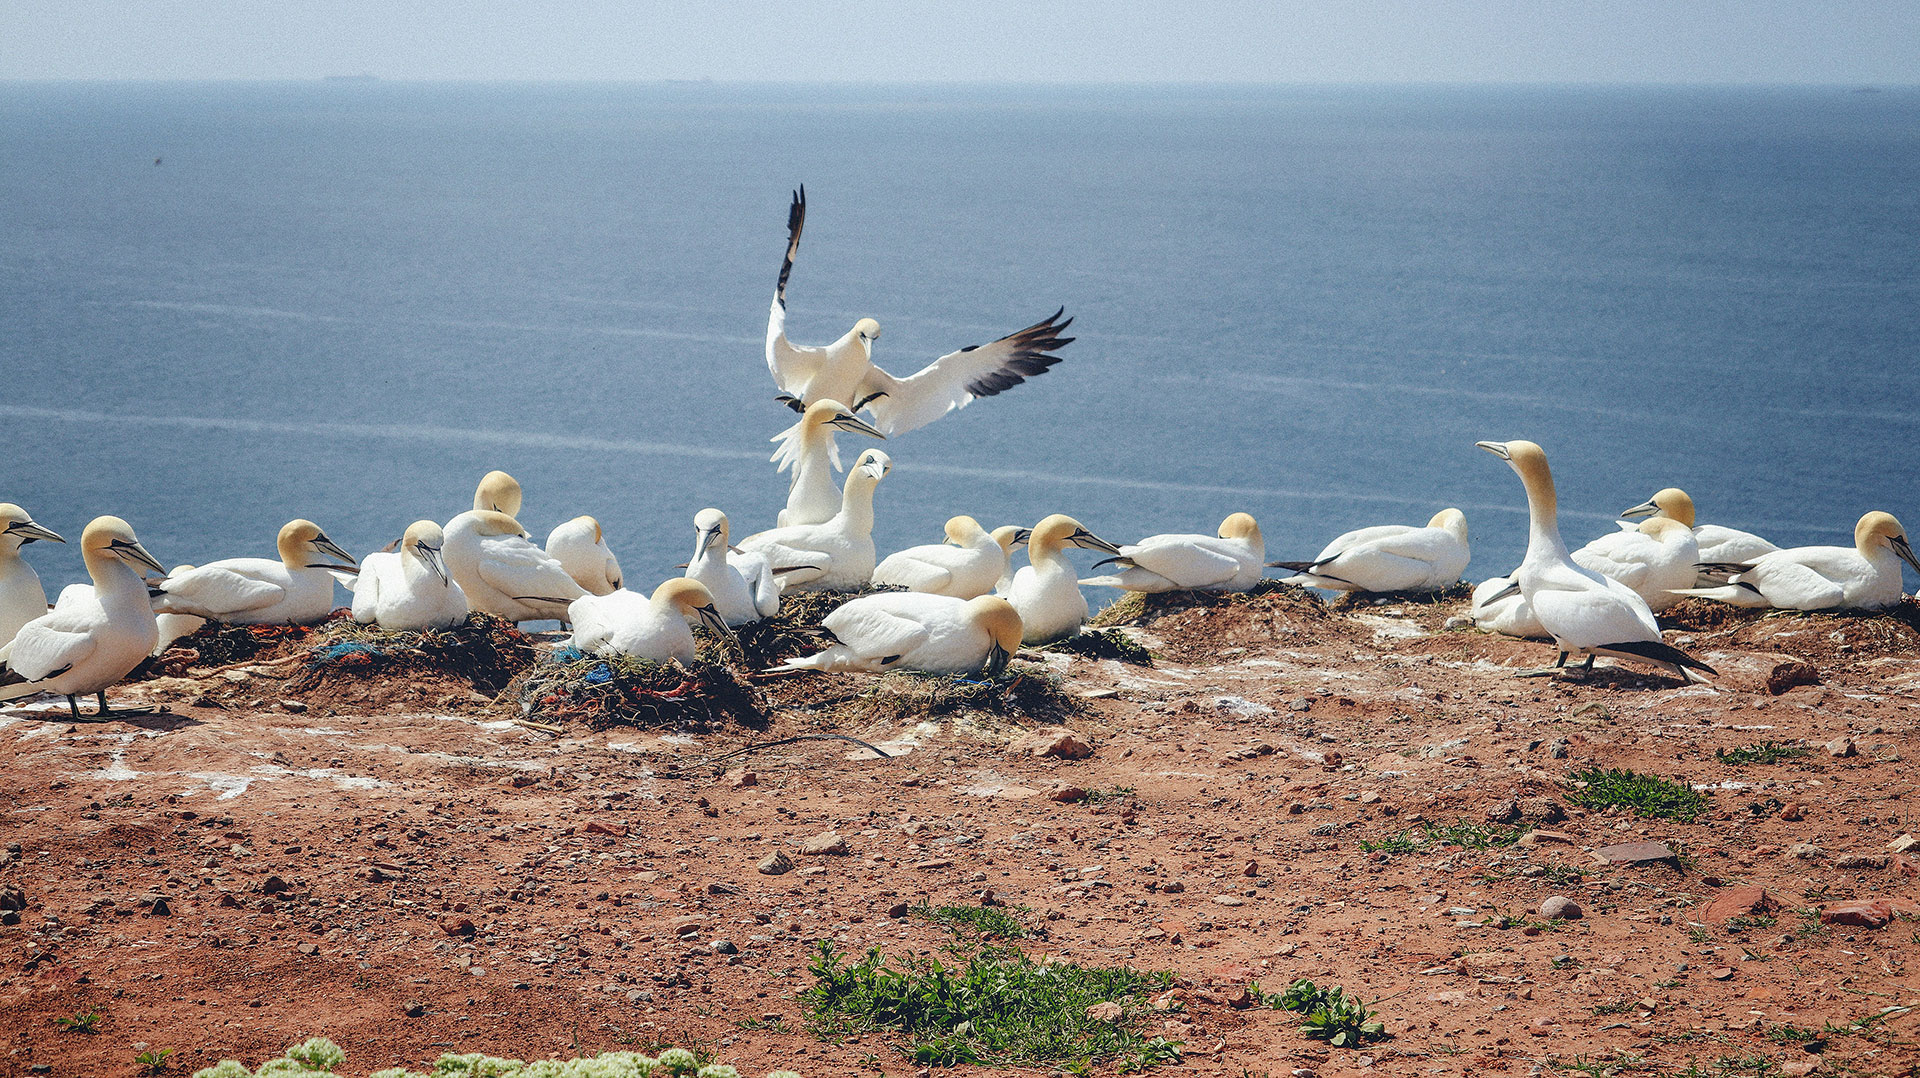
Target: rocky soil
(408, 871)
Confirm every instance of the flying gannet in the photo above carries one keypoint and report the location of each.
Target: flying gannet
(1229, 561)
(580, 546)
(844, 370)
(1045, 591)
(937, 634)
(741, 583)
(95, 635)
(1865, 576)
(1717, 544)
(968, 564)
(807, 449)
(22, 598)
(297, 589)
(837, 555)
(655, 629)
(502, 573)
(408, 590)
(1389, 557)
(1582, 610)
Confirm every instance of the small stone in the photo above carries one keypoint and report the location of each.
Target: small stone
(1368, 797)
(825, 843)
(1865, 913)
(297, 707)
(1790, 674)
(1629, 853)
(596, 827)
(1106, 1011)
(1741, 902)
(1300, 703)
(1066, 795)
(161, 909)
(1793, 812)
(740, 776)
(414, 1010)
(1804, 851)
(274, 885)
(1539, 836)
(934, 862)
(1058, 742)
(1230, 900)
(897, 910)
(717, 888)
(1722, 973)
(1503, 811)
(1903, 843)
(774, 864)
(1842, 747)
(308, 949)
(1559, 749)
(1252, 869)
(722, 947)
(1561, 908)
(457, 926)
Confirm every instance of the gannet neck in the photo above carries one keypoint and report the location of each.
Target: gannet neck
(498, 492)
(1543, 505)
(1008, 537)
(1673, 502)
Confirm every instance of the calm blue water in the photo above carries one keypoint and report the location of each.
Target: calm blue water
(347, 301)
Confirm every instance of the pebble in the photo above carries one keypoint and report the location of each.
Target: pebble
(1058, 742)
(1841, 747)
(775, 863)
(1066, 795)
(1230, 900)
(1561, 908)
(825, 843)
(722, 947)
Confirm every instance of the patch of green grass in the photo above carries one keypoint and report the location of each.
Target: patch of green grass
(1618, 1006)
(153, 1062)
(1102, 794)
(979, 922)
(1000, 1008)
(1764, 752)
(1790, 1034)
(84, 1022)
(1646, 795)
(1747, 1066)
(1329, 1014)
(1745, 923)
(771, 1025)
(1464, 833)
(1699, 935)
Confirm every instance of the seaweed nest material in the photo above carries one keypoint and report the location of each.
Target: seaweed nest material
(1452, 593)
(621, 690)
(1142, 608)
(485, 652)
(1023, 692)
(1103, 644)
(218, 644)
(792, 632)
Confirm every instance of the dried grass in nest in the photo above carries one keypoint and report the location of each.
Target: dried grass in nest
(1864, 634)
(622, 690)
(485, 652)
(1103, 644)
(1452, 593)
(1023, 692)
(794, 630)
(1270, 595)
(1694, 614)
(219, 644)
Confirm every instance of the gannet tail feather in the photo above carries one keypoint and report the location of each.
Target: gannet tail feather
(1657, 652)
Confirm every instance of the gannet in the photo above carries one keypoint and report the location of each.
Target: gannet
(1389, 557)
(1045, 591)
(295, 590)
(807, 449)
(95, 635)
(580, 546)
(498, 492)
(741, 583)
(844, 370)
(968, 564)
(655, 629)
(1865, 576)
(172, 627)
(937, 634)
(1010, 539)
(1655, 559)
(837, 555)
(22, 598)
(1582, 610)
(1229, 561)
(408, 590)
(502, 572)
(1716, 543)
(1498, 607)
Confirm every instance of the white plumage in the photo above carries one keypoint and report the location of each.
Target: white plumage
(1390, 557)
(837, 555)
(502, 572)
(1229, 561)
(295, 590)
(844, 370)
(652, 628)
(95, 635)
(1716, 543)
(408, 590)
(580, 546)
(22, 598)
(1865, 576)
(742, 585)
(172, 627)
(1045, 592)
(1655, 559)
(809, 451)
(968, 564)
(936, 634)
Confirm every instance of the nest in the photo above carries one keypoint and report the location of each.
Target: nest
(485, 652)
(792, 632)
(1023, 692)
(1103, 644)
(622, 690)
(1142, 608)
(1452, 593)
(218, 644)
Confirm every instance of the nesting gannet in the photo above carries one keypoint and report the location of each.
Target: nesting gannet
(1010, 539)
(1498, 607)
(1045, 591)
(95, 635)
(1389, 557)
(837, 555)
(1582, 610)
(295, 590)
(172, 627)
(808, 450)
(502, 572)
(844, 370)
(1865, 576)
(741, 583)
(937, 634)
(580, 546)
(1230, 561)
(498, 492)
(969, 563)
(655, 629)
(408, 589)
(1655, 559)
(22, 598)
(1715, 542)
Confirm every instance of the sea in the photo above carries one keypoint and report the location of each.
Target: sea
(226, 305)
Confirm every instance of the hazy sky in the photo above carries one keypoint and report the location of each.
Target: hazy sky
(1710, 41)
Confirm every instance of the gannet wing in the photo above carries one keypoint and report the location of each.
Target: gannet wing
(958, 377)
(761, 585)
(521, 570)
(1793, 585)
(912, 573)
(40, 650)
(792, 365)
(792, 565)
(875, 633)
(1620, 555)
(215, 591)
(1187, 565)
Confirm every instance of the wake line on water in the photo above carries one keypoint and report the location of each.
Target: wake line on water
(536, 440)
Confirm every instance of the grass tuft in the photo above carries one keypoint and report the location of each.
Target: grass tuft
(1646, 795)
(1329, 1014)
(980, 922)
(1765, 752)
(1465, 834)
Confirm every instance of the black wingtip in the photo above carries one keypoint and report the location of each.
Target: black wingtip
(1296, 566)
(1656, 651)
